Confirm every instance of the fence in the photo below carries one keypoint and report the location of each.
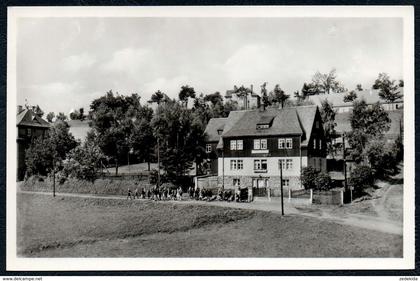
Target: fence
(332, 197)
(301, 196)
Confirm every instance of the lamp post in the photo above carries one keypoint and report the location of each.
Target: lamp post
(281, 186)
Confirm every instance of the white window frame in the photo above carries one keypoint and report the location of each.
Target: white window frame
(289, 142)
(320, 144)
(233, 145)
(314, 141)
(239, 145)
(208, 148)
(260, 144)
(286, 164)
(232, 165)
(240, 164)
(258, 164)
(282, 143)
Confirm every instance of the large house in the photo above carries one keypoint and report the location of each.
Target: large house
(29, 126)
(251, 144)
(371, 96)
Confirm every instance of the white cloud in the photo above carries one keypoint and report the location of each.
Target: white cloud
(127, 61)
(77, 62)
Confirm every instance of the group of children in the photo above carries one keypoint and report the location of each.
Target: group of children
(156, 193)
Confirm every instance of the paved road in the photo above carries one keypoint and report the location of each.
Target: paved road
(274, 205)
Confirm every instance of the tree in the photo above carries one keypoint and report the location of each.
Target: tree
(309, 89)
(361, 178)
(367, 123)
(309, 177)
(157, 97)
(401, 83)
(359, 87)
(388, 91)
(112, 118)
(382, 158)
(74, 115)
(278, 96)
(61, 116)
(327, 82)
(351, 96)
(142, 141)
(50, 117)
(43, 153)
(323, 182)
(242, 92)
(265, 99)
(215, 98)
(185, 93)
(328, 119)
(82, 162)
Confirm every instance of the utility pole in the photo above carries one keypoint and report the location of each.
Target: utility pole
(158, 156)
(281, 186)
(344, 163)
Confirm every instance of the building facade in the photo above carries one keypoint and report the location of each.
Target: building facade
(250, 100)
(254, 144)
(29, 126)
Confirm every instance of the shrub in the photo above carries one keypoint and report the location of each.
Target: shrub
(382, 158)
(361, 178)
(323, 181)
(309, 177)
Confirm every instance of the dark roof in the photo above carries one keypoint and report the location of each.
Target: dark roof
(28, 118)
(287, 121)
(213, 126)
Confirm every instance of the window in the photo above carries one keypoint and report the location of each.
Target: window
(260, 183)
(281, 143)
(260, 165)
(219, 132)
(208, 148)
(287, 164)
(317, 124)
(233, 164)
(314, 143)
(320, 144)
(239, 144)
(236, 164)
(286, 183)
(289, 143)
(236, 145)
(236, 182)
(263, 126)
(233, 145)
(260, 144)
(28, 132)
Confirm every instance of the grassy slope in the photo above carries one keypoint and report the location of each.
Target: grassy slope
(72, 227)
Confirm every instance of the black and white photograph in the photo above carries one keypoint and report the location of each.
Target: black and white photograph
(210, 138)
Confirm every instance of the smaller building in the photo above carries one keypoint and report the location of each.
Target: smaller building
(250, 100)
(29, 126)
(371, 97)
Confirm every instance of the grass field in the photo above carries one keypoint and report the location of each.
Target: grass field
(92, 227)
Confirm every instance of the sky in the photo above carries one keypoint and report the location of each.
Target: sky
(65, 63)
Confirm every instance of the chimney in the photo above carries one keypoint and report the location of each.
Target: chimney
(19, 109)
(252, 88)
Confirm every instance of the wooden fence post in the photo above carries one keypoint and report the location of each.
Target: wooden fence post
(311, 196)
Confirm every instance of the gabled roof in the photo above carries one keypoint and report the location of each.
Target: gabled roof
(371, 96)
(213, 126)
(28, 118)
(285, 123)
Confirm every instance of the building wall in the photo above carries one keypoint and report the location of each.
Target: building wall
(273, 183)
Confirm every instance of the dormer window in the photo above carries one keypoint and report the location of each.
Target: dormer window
(262, 126)
(265, 122)
(219, 132)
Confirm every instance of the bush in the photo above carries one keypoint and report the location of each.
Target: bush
(382, 158)
(309, 177)
(361, 178)
(323, 181)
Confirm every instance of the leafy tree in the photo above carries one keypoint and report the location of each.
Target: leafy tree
(327, 82)
(367, 123)
(43, 153)
(61, 116)
(82, 162)
(158, 97)
(388, 90)
(112, 118)
(278, 96)
(74, 115)
(142, 140)
(309, 177)
(215, 98)
(185, 93)
(382, 158)
(359, 87)
(361, 178)
(351, 96)
(309, 89)
(50, 117)
(328, 119)
(401, 83)
(265, 99)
